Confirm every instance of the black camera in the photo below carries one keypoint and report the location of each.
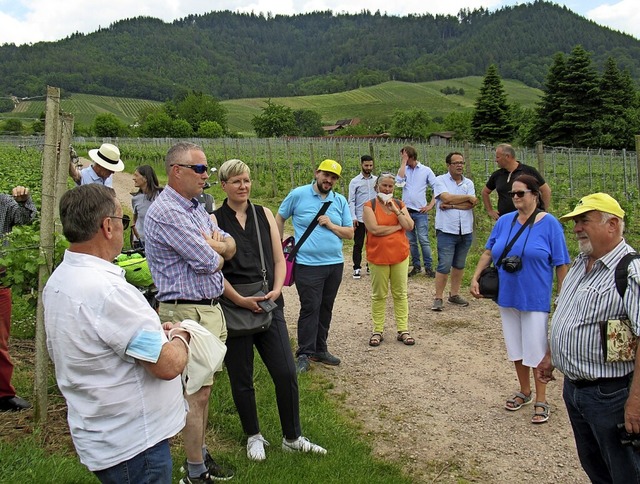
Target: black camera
(628, 439)
(512, 263)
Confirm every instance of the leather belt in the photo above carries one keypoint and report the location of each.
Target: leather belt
(202, 302)
(411, 210)
(621, 380)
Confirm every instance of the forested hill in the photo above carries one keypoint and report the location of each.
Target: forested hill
(232, 55)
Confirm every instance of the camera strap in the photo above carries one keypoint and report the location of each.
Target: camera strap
(530, 221)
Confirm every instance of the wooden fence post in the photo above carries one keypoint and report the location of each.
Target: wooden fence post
(274, 183)
(47, 242)
(64, 158)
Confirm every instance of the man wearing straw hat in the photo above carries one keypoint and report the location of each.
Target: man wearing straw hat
(600, 392)
(106, 161)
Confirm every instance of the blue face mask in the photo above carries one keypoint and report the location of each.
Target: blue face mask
(146, 345)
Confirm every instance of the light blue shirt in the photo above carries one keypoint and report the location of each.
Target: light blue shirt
(88, 175)
(360, 190)
(323, 247)
(452, 220)
(416, 180)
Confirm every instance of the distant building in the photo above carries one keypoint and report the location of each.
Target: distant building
(341, 124)
(442, 138)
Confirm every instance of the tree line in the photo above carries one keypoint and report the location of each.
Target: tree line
(239, 55)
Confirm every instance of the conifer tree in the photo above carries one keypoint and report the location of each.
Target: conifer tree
(581, 100)
(491, 118)
(551, 106)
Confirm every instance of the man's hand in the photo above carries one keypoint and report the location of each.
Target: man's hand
(20, 194)
(355, 224)
(494, 214)
(544, 370)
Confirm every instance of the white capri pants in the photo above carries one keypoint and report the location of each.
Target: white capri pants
(525, 334)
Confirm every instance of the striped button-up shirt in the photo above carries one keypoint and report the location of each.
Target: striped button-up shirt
(586, 299)
(361, 189)
(15, 213)
(182, 263)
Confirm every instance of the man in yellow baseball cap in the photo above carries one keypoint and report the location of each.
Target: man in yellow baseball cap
(319, 262)
(600, 393)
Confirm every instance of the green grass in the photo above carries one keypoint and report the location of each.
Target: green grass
(371, 104)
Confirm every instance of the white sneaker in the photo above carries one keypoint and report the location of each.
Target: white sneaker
(356, 273)
(302, 444)
(255, 447)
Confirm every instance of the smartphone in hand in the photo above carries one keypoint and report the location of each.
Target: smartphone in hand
(266, 305)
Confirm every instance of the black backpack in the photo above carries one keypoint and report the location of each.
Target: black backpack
(622, 272)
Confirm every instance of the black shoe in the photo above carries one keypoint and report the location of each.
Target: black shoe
(13, 404)
(302, 365)
(326, 358)
(216, 471)
(429, 273)
(414, 271)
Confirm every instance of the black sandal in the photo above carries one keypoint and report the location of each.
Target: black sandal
(376, 339)
(406, 338)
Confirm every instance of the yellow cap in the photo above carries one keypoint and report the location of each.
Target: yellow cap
(331, 166)
(598, 201)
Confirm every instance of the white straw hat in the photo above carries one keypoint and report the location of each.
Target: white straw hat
(108, 156)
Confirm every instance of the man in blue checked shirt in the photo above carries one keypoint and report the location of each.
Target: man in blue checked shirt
(186, 251)
(415, 178)
(361, 190)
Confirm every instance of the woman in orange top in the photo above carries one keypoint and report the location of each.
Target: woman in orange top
(387, 221)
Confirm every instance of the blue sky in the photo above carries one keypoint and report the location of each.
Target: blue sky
(27, 21)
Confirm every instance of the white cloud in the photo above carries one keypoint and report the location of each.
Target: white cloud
(623, 16)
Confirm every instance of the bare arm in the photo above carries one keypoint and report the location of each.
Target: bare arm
(339, 230)
(225, 246)
(372, 226)
(279, 265)
(173, 356)
(486, 200)
(561, 272)
(545, 195)
(280, 225)
(448, 198)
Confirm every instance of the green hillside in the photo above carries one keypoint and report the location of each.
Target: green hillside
(377, 103)
(85, 107)
(370, 104)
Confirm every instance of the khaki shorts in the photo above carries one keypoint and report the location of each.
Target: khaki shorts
(209, 317)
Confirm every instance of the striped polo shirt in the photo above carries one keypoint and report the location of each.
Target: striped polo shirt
(586, 299)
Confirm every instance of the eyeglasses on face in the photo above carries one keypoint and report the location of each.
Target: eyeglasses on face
(238, 183)
(199, 169)
(125, 220)
(519, 193)
(457, 163)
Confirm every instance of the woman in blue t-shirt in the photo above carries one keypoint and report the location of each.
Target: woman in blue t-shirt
(526, 282)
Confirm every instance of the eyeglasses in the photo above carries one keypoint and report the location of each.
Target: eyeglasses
(457, 163)
(199, 169)
(519, 193)
(125, 220)
(239, 183)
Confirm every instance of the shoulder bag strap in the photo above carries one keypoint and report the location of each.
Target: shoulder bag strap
(262, 264)
(529, 222)
(307, 233)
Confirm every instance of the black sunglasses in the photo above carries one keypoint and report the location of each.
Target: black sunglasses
(125, 220)
(519, 193)
(199, 169)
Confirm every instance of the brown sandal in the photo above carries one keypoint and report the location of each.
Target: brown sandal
(406, 338)
(376, 339)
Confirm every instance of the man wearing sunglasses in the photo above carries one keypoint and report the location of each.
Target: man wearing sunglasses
(186, 250)
(502, 179)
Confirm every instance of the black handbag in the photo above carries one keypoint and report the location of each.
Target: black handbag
(242, 321)
(488, 282)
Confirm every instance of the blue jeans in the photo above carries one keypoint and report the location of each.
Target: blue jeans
(452, 250)
(152, 466)
(594, 412)
(317, 289)
(420, 234)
